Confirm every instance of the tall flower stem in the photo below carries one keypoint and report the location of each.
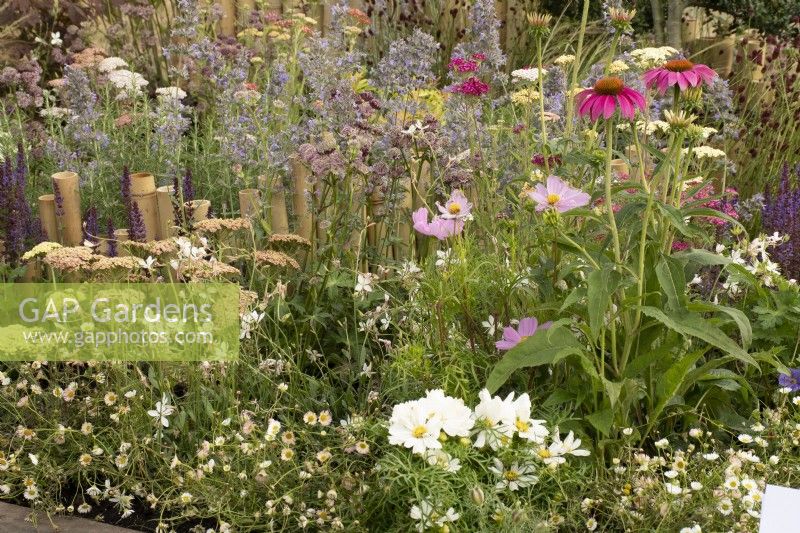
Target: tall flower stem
(612, 222)
(540, 79)
(576, 65)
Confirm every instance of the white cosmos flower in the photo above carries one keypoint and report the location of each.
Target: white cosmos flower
(442, 459)
(454, 417)
(528, 428)
(495, 419)
(514, 477)
(413, 426)
(570, 445)
(162, 410)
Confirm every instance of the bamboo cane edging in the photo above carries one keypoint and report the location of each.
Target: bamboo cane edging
(47, 214)
(278, 214)
(166, 212)
(402, 248)
(299, 203)
(199, 209)
(68, 214)
(143, 193)
(250, 203)
(121, 235)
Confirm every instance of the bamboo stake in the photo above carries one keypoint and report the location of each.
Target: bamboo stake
(250, 203)
(278, 214)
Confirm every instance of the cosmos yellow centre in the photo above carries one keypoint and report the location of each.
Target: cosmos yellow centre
(511, 475)
(544, 453)
(522, 426)
(419, 432)
(552, 199)
(678, 65)
(454, 208)
(609, 86)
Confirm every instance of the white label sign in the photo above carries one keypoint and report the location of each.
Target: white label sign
(779, 510)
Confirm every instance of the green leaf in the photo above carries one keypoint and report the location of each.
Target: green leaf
(545, 347)
(677, 218)
(669, 272)
(602, 420)
(693, 325)
(702, 257)
(671, 381)
(601, 285)
(741, 320)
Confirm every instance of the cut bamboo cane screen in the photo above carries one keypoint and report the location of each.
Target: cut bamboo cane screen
(402, 248)
(250, 203)
(143, 193)
(299, 203)
(200, 209)
(47, 214)
(68, 213)
(166, 212)
(121, 235)
(280, 218)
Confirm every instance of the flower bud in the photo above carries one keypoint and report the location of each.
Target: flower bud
(477, 495)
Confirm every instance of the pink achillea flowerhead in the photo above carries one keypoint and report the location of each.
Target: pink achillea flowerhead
(527, 327)
(438, 227)
(456, 207)
(557, 195)
(472, 86)
(680, 72)
(459, 64)
(608, 95)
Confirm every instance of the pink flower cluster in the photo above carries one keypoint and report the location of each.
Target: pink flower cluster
(459, 64)
(472, 86)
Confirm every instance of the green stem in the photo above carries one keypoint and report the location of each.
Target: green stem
(543, 123)
(576, 65)
(612, 222)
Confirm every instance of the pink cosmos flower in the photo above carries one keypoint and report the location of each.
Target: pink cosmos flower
(438, 227)
(527, 327)
(557, 195)
(680, 72)
(472, 86)
(456, 207)
(605, 96)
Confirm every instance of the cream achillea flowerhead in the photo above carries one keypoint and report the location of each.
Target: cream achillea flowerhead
(564, 60)
(646, 58)
(705, 152)
(111, 63)
(617, 66)
(528, 74)
(525, 96)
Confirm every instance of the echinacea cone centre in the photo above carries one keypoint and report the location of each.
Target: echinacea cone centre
(609, 86)
(678, 65)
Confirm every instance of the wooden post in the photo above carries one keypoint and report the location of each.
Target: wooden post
(47, 214)
(402, 249)
(68, 214)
